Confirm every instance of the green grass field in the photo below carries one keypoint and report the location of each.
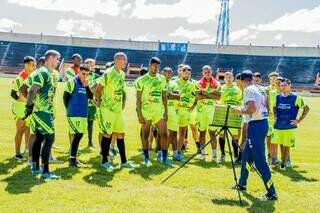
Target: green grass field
(199, 187)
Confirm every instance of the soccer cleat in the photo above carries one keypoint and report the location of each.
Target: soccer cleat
(177, 157)
(19, 157)
(201, 157)
(215, 159)
(50, 176)
(288, 164)
(273, 166)
(239, 187)
(159, 156)
(91, 145)
(268, 196)
(282, 167)
(128, 165)
(147, 163)
(107, 166)
(167, 163)
(73, 164)
(222, 158)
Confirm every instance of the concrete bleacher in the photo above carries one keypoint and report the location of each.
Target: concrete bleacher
(299, 64)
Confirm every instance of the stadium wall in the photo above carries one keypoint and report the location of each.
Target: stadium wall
(301, 64)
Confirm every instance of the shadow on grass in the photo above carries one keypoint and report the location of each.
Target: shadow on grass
(21, 181)
(147, 173)
(99, 177)
(255, 204)
(8, 164)
(295, 175)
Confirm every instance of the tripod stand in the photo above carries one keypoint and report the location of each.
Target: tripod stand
(225, 129)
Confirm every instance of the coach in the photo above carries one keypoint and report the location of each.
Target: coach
(254, 151)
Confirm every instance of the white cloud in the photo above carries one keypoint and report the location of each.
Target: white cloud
(88, 28)
(189, 34)
(194, 12)
(250, 37)
(238, 34)
(127, 6)
(7, 24)
(278, 37)
(82, 7)
(300, 21)
(208, 41)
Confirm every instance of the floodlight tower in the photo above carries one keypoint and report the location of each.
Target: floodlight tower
(223, 25)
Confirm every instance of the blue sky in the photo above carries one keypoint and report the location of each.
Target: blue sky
(260, 22)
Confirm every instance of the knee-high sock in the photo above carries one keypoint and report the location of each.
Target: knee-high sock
(75, 145)
(36, 147)
(122, 150)
(105, 147)
(235, 148)
(222, 145)
(90, 130)
(46, 151)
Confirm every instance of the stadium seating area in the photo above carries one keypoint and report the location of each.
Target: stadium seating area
(301, 70)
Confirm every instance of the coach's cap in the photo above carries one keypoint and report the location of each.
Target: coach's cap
(155, 60)
(76, 55)
(27, 59)
(246, 75)
(51, 53)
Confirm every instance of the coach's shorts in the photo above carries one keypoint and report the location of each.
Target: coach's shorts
(183, 117)
(205, 118)
(43, 122)
(271, 123)
(153, 114)
(193, 117)
(92, 113)
(286, 137)
(18, 111)
(172, 122)
(110, 122)
(77, 125)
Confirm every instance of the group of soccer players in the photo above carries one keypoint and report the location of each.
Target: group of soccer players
(164, 102)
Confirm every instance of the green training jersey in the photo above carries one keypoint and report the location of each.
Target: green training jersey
(45, 97)
(231, 95)
(208, 89)
(187, 90)
(272, 99)
(92, 79)
(152, 89)
(172, 87)
(113, 82)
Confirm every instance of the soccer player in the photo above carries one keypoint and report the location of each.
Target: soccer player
(317, 82)
(271, 92)
(110, 97)
(18, 107)
(75, 68)
(75, 98)
(230, 95)
(152, 108)
(257, 79)
(286, 111)
(173, 97)
(40, 103)
(186, 104)
(207, 97)
(179, 70)
(254, 108)
(92, 78)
